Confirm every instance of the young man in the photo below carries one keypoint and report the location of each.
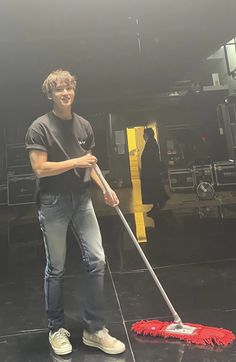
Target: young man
(59, 145)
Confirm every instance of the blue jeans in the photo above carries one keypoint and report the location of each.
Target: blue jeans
(56, 212)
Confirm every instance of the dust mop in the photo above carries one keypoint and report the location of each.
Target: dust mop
(193, 333)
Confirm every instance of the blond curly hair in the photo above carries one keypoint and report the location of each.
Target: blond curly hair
(58, 75)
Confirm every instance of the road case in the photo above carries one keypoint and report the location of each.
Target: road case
(21, 189)
(16, 156)
(225, 173)
(203, 173)
(181, 179)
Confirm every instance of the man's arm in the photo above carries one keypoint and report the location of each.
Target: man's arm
(111, 200)
(96, 179)
(43, 168)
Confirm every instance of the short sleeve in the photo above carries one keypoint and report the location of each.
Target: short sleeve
(90, 142)
(35, 141)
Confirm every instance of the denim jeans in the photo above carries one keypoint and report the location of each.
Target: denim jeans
(56, 212)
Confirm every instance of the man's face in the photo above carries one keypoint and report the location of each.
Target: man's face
(63, 95)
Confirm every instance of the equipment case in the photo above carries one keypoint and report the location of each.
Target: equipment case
(225, 173)
(203, 173)
(16, 156)
(181, 179)
(21, 189)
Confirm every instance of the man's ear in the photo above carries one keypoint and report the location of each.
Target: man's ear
(50, 96)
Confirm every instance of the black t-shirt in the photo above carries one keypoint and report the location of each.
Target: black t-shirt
(62, 140)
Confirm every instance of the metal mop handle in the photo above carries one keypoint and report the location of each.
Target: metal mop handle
(156, 280)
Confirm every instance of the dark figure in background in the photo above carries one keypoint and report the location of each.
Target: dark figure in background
(153, 191)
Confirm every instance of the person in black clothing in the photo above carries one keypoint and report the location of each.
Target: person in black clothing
(153, 191)
(59, 145)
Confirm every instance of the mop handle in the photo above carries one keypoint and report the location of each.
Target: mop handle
(156, 280)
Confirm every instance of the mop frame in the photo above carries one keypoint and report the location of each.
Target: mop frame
(177, 327)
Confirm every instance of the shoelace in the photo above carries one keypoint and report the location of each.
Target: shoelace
(104, 333)
(61, 335)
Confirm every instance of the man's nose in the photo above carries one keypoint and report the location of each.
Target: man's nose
(65, 91)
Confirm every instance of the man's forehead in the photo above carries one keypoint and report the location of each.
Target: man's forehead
(62, 82)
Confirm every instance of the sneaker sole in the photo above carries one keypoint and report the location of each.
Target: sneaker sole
(104, 349)
(60, 352)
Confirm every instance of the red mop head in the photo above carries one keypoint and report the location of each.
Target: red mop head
(203, 335)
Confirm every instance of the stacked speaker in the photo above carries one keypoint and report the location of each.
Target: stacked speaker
(21, 182)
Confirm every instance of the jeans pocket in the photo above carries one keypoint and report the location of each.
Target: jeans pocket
(47, 199)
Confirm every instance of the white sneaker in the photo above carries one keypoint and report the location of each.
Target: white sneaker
(59, 341)
(103, 341)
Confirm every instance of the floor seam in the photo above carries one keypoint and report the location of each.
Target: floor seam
(141, 270)
(120, 309)
(24, 332)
